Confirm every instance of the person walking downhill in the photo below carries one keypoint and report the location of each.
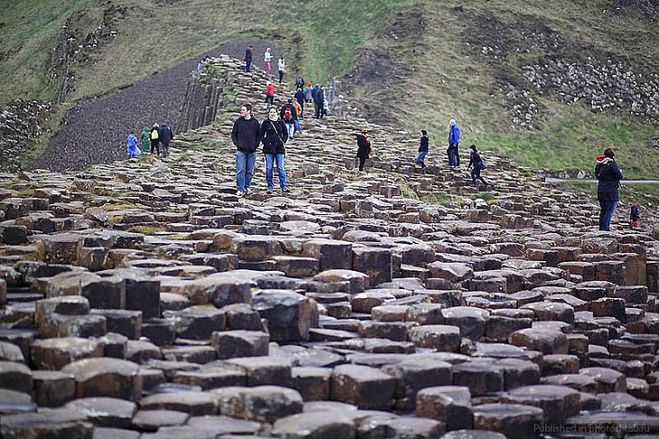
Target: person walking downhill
(288, 115)
(424, 144)
(363, 149)
(453, 142)
(478, 164)
(245, 137)
(166, 136)
(270, 93)
(608, 175)
(281, 66)
(155, 138)
(273, 135)
(299, 98)
(267, 62)
(298, 111)
(133, 150)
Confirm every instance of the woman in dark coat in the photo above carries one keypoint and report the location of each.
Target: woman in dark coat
(363, 149)
(476, 162)
(274, 134)
(609, 176)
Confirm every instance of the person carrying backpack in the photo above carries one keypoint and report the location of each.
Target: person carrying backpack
(288, 115)
(166, 137)
(423, 149)
(273, 135)
(608, 175)
(133, 150)
(155, 138)
(478, 165)
(363, 149)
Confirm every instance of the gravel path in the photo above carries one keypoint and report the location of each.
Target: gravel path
(95, 131)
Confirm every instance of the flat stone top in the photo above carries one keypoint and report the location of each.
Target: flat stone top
(87, 368)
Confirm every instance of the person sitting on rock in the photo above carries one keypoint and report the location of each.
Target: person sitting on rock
(133, 150)
(363, 149)
(423, 149)
(273, 134)
(478, 165)
(155, 138)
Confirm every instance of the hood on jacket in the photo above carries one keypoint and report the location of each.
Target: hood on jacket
(603, 160)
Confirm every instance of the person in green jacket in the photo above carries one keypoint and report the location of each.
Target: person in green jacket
(146, 139)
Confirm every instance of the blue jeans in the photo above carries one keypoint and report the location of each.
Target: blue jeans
(607, 208)
(291, 129)
(421, 157)
(298, 127)
(244, 169)
(270, 159)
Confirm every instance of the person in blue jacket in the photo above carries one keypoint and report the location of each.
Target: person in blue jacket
(453, 142)
(133, 150)
(608, 175)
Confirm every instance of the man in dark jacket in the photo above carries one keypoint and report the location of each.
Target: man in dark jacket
(609, 176)
(318, 100)
(248, 58)
(299, 97)
(363, 149)
(166, 136)
(245, 136)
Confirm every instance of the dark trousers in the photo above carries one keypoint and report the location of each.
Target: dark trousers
(248, 66)
(319, 110)
(476, 175)
(607, 208)
(362, 161)
(155, 144)
(165, 148)
(270, 99)
(281, 76)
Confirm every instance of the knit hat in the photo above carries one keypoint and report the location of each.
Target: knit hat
(451, 122)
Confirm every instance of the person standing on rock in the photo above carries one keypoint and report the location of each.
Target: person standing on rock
(608, 175)
(478, 164)
(267, 62)
(146, 139)
(288, 115)
(245, 137)
(424, 145)
(308, 93)
(166, 136)
(270, 93)
(155, 138)
(249, 53)
(273, 135)
(453, 142)
(319, 101)
(133, 150)
(281, 66)
(298, 110)
(363, 149)
(635, 215)
(299, 98)
(299, 81)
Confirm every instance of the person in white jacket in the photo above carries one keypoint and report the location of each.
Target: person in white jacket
(281, 65)
(267, 62)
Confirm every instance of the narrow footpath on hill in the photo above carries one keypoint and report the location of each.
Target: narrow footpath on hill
(145, 295)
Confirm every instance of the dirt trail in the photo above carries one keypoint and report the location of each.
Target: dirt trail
(95, 131)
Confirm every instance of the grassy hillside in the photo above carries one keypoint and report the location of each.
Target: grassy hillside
(413, 63)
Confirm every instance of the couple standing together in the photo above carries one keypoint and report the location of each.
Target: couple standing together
(246, 135)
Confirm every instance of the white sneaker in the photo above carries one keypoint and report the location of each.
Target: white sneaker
(240, 193)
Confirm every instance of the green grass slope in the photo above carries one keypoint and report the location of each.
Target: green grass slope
(411, 63)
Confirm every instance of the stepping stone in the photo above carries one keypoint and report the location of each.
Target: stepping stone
(191, 354)
(352, 281)
(10, 352)
(108, 377)
(241, 316)
(289, 314)
(197, 322)
(105, 412)
(363, 386)
(518, 373)
(53, 388)
(152, 420)
(513, 420)
(552, 311)
(15, 376)
(218, 289)
(454, 272)
(224, 425)
(470, 320)
(193, 403)
(114, 433)
(415, 373)
(442, 338)
(232, 344)
(120, 321)
(473, 434)
(608, 380)
(212, 376)
(449, 404)
(560, 364)
(315, 424)
(481, 379)
(55, 353)
(46, 423)
(579, 382)
(263, 371)
(557, 402)
(260, 403)
(331, 254)
(12, 402)
(546, 341)
(375, 426)
(313, 383)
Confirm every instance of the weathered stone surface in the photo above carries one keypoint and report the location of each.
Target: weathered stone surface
(105, 412)
(315, 425)
(152, 420)
(513, 420)
(544, 340)
(47, 423)
(289, 315)
(449, 404)
(232, 344)
(264, 370)
(15, 376)
(481, 379)
(442, 338)
(260, 403)
(55, 353)
(415, 373)
(363, 386)
(193, 403)
(53, 388)
(107, 377)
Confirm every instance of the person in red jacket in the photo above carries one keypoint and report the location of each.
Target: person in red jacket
(270, 93)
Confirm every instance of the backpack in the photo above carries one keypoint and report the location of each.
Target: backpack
(154, 135)
(483, 164)
(288, 114)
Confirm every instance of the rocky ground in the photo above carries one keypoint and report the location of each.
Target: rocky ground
(144, 299)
